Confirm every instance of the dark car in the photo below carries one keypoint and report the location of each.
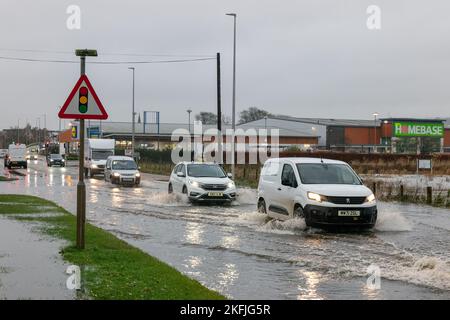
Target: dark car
(56, 160)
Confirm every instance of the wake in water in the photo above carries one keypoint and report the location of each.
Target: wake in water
(392, 221)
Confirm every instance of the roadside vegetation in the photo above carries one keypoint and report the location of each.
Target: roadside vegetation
(3, 178)
(111, 268)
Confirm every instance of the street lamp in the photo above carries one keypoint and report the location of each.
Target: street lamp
(133, 114)
(375, 115)
(189, 119)
(233, 121)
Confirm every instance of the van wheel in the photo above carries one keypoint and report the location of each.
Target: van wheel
(298, 211)
(86, 173)
(170, 189)
(184, 190)
(91, 175)
(262, 206)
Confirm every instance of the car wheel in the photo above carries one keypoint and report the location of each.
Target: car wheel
(262, 206)
(170, 189)
(298, 212)
(184, 190)
(91, 175)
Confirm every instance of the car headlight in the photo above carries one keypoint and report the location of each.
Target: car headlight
(94, 166)
(51, 160)
(194, 183)
(231, 184)
(370, 198)
(137, 175)
(314, 196)
(115, 174)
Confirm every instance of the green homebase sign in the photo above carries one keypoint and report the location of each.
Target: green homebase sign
(418, 129)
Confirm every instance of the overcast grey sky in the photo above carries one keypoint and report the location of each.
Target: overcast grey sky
(312, 58)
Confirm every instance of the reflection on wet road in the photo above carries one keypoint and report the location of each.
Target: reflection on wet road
(244, 255)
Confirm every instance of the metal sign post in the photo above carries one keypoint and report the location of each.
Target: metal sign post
(82, 103)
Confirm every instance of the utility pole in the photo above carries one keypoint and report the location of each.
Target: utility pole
(189, 120)
(233, 118)
(219, 112)
(132, 134)
(81, 186)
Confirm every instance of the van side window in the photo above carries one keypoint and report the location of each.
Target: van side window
(270, 168)
(182, 169)
(175, 170)
(288, 176)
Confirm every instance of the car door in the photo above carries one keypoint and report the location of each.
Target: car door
(108, 169)
(181, 179)
(282, 203)
(289, 185)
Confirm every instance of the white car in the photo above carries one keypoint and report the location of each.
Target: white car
(324, 192)
(122, 170)
(202, 182)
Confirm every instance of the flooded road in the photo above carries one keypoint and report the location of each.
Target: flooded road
(245, 255)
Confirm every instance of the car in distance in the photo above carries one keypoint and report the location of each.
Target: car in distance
(202, 182)
(3, 153)
(122, 170)
(327, 193)
(55, 159)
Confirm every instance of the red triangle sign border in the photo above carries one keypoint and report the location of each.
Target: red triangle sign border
(62, 113)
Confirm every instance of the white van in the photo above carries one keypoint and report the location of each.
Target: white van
(96, 151)
(16, 156)
(122, 170)
(324, 192)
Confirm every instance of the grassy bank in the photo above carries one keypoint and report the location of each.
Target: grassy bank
(112, 269)
(2, 178)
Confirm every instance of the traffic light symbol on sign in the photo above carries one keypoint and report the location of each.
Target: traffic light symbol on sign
(83, 100)
(74, 132)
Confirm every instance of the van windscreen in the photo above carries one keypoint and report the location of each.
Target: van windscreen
(323, 173)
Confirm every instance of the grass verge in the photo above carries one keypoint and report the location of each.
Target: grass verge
(3, 178)
(112, 269)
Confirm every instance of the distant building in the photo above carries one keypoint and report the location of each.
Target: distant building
(390, 135)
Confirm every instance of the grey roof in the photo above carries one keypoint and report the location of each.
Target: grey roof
(329, 121)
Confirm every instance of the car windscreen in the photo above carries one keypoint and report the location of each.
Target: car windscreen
(124, 165)
(322, 173)
(55, 156)
(205, 170)
(101, 154)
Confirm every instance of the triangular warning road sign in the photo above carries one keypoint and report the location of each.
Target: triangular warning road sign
(83, 103)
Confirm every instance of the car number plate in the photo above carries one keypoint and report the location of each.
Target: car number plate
(128, 179)
(349, 213)
(215, 194)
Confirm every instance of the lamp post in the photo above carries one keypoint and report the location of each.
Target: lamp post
(189, 119)
(133, 114)
(233, 117)
(375, 115)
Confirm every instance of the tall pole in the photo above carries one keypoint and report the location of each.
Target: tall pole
(18, 126)
(189, 120)
(81, 187)
(132, 117)
(219, 111)
(233, 117)
(375, 114)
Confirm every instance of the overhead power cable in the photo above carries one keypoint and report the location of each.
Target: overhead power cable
(104, 62)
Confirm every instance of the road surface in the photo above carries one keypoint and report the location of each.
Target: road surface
(245, 255)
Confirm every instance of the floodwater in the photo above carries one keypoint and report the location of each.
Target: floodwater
(244, 255)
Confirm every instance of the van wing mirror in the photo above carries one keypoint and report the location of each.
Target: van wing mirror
(230, 175)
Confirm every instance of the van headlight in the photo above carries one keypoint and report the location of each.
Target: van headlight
(370, 198)
(314, 196)
(137, 175)
(94, 166)
(193, 183)
(116, 174)
(230, 184)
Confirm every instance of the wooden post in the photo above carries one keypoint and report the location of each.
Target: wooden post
(429, 195)
(402, 192)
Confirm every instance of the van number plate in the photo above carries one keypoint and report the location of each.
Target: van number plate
(349, 213)
(215, 194)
